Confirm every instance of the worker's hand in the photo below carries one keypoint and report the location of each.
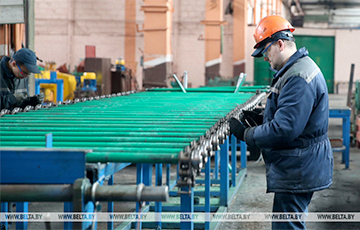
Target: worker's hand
(252, 118)
(237, 128)
(20, 97)
(40, 98)
(33, 101)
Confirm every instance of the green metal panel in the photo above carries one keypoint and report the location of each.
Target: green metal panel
(321, 50)
(262, 74)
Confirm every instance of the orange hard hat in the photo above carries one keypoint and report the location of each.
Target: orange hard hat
(269, 26)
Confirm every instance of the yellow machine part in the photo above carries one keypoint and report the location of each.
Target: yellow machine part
(49, 91)
(87, 75)
(69, 84)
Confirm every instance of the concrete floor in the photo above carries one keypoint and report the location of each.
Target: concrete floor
(342, 196)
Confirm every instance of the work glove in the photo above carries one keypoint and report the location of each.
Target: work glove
(33, 101)
(40, 98)
(252, 118)
(237, 128)
(20, 97)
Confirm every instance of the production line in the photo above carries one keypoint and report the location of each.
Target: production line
(153, 127)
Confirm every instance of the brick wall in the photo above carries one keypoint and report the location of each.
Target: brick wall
(64, 27)
(188, 51)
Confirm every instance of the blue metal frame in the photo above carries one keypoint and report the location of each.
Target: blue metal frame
(343, 113)
(207, 190)
(216, 166)
(233, 160)
(46, 166)
(5, 208)
(224, 173)
(40, 166)
(225, 194)
(187, 206)
(106, 170)
(24, 208)
(68, 207)
(243, 158)
(144, 172)
(139, 179)
(158, 182)
(110, 224)
(53, 80)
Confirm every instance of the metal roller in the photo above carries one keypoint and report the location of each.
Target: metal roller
(95, 192)
(131, 193)
(156, 126)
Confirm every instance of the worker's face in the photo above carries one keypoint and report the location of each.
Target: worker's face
(20, 71)
(271, 54)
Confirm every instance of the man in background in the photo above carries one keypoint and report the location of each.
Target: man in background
(14, 72)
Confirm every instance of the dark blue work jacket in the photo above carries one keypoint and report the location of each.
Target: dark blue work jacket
(293, 138)
(9, 85)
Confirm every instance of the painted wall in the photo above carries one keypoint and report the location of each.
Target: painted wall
(188, 50)
(347, 49)
(226, 67)
(64, 27)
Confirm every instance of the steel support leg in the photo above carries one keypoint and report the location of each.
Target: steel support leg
(139, 179)
(233, 160)
(4, 209)
(224, 173)
(243, 154)
(158, 182)
(207, 192)
(111, 204)
(68, 207)
(346, 141)
(187, 206)
(147, 176)
(24, 208)
(216, 165)
(168, 167)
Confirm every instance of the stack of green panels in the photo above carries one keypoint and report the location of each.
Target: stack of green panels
(145, 127)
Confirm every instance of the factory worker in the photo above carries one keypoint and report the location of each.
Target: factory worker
(14, 72)
(292, 133)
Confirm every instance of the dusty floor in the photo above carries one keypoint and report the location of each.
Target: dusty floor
(342, 196)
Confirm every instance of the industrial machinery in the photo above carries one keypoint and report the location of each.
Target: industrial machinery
(55, 85)
(86, 85)
(160, 126)
(50, 175)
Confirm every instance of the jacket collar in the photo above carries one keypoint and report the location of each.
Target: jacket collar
(300, 53)
(5, 69)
